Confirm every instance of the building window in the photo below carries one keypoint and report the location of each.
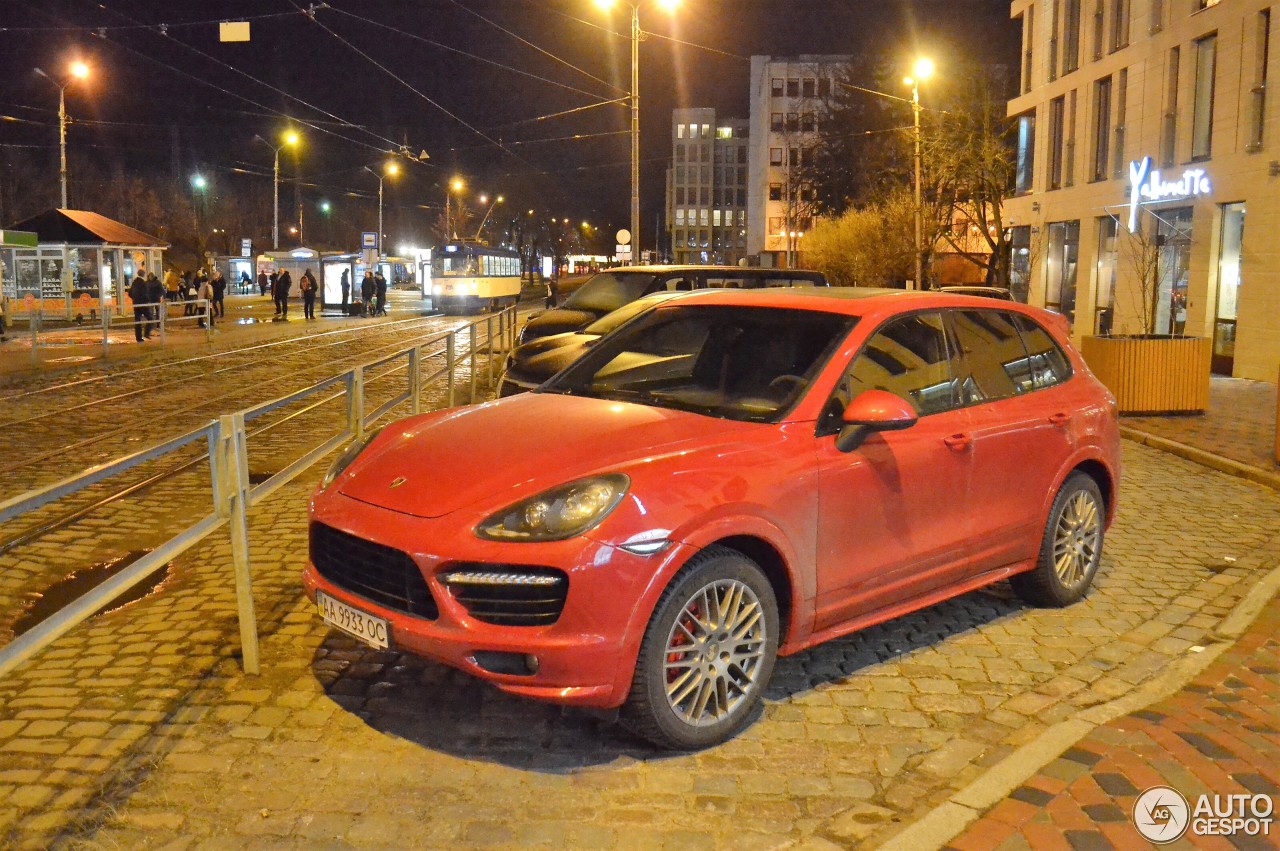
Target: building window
(706, 131)
(679, 131)
(742, 153)
(1120, 25)
(715, 218)
(679, 174)
(1026, 152)
(1069, 154)
(1028, 40)
(1121, 99)
(809, 88)
(679, 194)
(1020, 262)
(793, 157)
(824, 87)
(1099, 25)
(1101, 129)
(1258, 93)
(775, 87)
(1202, 114)
(693, 131)
(775, 191)
(1169, 132)
(1105, 294)
(724, 132)
(1157, 16)
(1057, 139)
(679, 216)
(1061, 262)
(775, 156)
(1053, 39)
(793, 87)
(775, 224)
(775, 122)
(1070, 35)
(808, 124)
(793, 121)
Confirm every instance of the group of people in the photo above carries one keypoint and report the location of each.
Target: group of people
(280, 284)
(373, 293)
(201, 293)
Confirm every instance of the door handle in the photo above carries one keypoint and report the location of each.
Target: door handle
(958, 442)
(1059, 419)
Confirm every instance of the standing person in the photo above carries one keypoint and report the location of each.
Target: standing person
(155, 298)
(246, 283)
(171, 284)
(141, 311)
(380, 292)
(262, 283)
(307, 285)
(188, 293)
(283, 284)
(205, 294)
(367, 289)
(346, 289)
(4, 313)
(219, 294)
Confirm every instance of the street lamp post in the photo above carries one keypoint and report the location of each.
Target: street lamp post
(78, 71)
(636, 35)
(290, 138)
(922, 71)
(390, 168)
(454, 185)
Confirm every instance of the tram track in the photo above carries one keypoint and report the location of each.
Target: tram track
(398, 340)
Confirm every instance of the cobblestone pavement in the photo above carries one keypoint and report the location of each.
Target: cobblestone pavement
(1240, 423)
(1219, 735)
(138, 729)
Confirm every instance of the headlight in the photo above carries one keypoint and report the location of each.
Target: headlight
(348, 455)
(559, 513)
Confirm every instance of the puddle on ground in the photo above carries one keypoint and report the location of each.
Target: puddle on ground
(75, 585)
(247, 320)
(71, 359)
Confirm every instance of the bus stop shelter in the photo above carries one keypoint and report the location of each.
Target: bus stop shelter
(81, 263)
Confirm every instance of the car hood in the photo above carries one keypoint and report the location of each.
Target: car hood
(557, 321)
(504, 451)
(545, 356)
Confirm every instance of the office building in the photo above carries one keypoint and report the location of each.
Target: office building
(707, 188)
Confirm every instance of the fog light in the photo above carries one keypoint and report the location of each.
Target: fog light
(531, 662)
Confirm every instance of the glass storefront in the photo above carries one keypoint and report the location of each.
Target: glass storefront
(1020, 262)
(1105, 291)
(1173, 238)
(1224, 324)
(1061, 265)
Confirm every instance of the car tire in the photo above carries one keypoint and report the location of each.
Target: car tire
(700, 674)
(1070, 549)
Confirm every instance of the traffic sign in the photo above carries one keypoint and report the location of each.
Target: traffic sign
(624, 237)
(246, 248)
(369, 239)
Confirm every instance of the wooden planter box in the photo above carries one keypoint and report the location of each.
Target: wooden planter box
(1152, 375)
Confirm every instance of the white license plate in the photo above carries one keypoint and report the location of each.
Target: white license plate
(360, 625)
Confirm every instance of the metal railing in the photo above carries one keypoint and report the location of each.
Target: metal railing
(106, 321)
(227, 440)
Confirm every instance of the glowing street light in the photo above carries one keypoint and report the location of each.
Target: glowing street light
(923, 70)
(456, 184)
(636, 35)
(76, 71)
(290, 138)
(496, 201)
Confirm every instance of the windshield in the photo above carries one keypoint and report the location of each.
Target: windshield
(738, 363)
(608, 291)
(609, 321)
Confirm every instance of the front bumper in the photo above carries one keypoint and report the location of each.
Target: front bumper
(585, 658)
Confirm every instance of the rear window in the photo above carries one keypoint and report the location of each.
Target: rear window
(1046, 363)
(608, 291)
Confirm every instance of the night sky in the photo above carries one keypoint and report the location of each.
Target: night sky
(481, 85)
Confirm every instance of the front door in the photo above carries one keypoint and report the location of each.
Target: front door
(893, 513)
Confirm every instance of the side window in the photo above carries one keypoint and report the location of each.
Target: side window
(992, 354)
(910, 358)
(678, 283)
(1046, 364)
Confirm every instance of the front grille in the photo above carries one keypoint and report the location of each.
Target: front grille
(383, 574)
(508, 594)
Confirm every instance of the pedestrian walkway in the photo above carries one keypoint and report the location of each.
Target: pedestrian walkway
(1219, 735)
(1147, 770)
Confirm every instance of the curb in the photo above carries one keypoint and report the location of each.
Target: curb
(950, 818)
(1200, 456)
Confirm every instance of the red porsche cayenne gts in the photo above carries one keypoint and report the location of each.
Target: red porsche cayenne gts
(727, 477)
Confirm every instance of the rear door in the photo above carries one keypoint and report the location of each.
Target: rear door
(1014, 383)
(893, 514)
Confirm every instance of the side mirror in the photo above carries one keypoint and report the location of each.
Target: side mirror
(873, 410)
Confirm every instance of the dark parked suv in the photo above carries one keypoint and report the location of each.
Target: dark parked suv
(611, 289)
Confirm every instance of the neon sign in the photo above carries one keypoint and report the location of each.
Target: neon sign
(1147, 184)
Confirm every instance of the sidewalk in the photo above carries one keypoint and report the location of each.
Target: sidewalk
(1077, 787)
